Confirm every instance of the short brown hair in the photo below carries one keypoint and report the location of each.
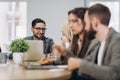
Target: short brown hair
(101, 12)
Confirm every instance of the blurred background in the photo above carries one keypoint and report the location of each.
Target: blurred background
(16, 16)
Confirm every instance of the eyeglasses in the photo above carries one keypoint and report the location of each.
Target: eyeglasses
(43, 29)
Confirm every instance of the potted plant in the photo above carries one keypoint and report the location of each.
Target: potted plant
(18, 47)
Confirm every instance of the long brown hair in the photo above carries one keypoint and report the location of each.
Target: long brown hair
(79, 12)
(85, 44)
(74, 45)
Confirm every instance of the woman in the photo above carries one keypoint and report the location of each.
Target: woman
(66, 39)
(80, 42)
(66, 34)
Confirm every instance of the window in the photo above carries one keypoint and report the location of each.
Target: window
(12, 20)
(114, 9)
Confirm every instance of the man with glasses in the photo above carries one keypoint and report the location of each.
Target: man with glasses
(38, 28)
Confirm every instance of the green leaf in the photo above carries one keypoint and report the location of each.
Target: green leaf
(19, 45)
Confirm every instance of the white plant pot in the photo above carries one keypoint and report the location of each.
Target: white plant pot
(18, 58)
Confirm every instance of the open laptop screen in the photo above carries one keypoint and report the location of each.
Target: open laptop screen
(35, 51)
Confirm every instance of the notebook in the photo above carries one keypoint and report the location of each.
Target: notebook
(35, 51)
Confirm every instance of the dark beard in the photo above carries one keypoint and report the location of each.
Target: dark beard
(38, 37)
(91, 35)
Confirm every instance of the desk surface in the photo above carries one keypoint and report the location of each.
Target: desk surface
(13, 71)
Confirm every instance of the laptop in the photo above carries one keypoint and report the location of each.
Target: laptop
(35, 51)
(36, 65)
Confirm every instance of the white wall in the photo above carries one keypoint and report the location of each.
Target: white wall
(115, 15)
(3, 30)
(53, 12)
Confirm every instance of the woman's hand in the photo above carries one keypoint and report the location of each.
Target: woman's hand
(59, 50)
(46, 59)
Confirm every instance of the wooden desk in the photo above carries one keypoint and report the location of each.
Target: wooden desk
(12, 71)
